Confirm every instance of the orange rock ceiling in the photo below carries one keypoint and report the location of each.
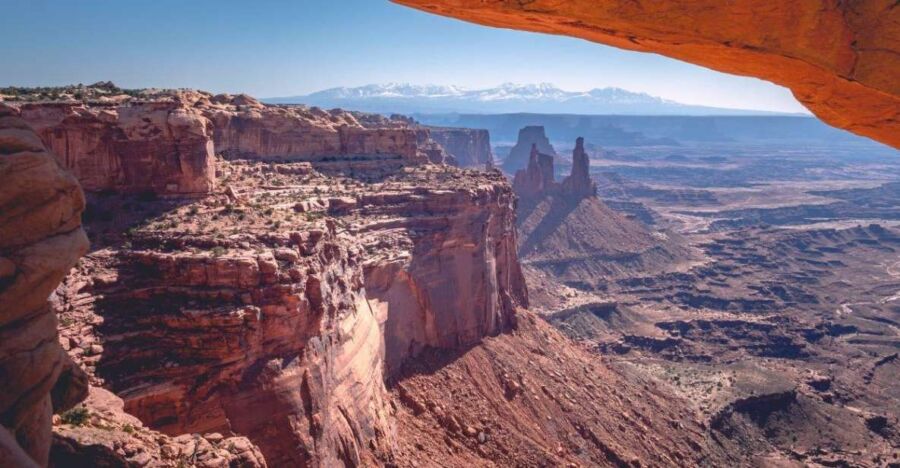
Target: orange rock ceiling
(841, 59)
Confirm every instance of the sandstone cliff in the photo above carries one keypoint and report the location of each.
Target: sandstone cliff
(470, 147)
(163, 147)
(293, 314)
(281, 320)
(40, 239)
(840, 59)
(248, 129)
(166, 143)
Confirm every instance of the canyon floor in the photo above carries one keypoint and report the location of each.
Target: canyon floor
(776, 310)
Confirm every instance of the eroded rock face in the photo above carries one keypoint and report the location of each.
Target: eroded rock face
(166, 144)
(470, 147)
(579, 183)
(840, 59)
(40, 239)
(459, 281)
(530, 136)
(161, 147)
(277, 310)
(537, 180)
(105, 435)
(275, 342)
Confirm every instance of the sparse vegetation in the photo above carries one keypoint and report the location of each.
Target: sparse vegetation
(77, 416)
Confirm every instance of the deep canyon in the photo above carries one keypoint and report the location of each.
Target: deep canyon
(199, 279)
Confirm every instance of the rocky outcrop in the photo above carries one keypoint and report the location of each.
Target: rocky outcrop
(162, 147)
(537, 180)
(279, 346)
(433, 151)
(470, 147)
(460, 279)
(40, 239)
(299, 134)
(519, 155)
(281, 320)
(166, 144)
(840, 59)
(579, 184)
(100, 433)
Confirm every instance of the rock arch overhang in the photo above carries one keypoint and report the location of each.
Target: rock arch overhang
(840, 58)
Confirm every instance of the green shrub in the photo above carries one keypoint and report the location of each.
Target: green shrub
(77, 416)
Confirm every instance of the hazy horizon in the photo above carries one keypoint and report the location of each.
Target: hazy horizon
(298, 47)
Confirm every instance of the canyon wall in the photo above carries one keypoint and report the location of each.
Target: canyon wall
(40, 239)
(161, 147)
(840, 59)
(459, 280)
(206, 316)
(167, 145)
(470, 147)
(276, 343)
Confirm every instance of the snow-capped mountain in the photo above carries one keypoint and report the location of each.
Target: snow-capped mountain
(507, 98)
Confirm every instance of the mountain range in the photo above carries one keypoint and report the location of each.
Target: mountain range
(506, 98)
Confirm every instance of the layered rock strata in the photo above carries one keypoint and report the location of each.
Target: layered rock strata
(840, 59)
(278, 310)
(101, 433)
(162, 147)
(470, 147)
(40, 239)
(166, 143)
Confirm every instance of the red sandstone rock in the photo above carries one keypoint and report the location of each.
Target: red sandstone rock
(840, 59)
(537, 180)
(40, 239)
(161, 147)
(579, 184)
(110, 437)
(287, 336)
(166, 145)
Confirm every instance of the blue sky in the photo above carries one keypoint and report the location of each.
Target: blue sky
(280, 48)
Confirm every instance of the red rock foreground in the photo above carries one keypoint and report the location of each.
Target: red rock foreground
(298, 313)
(40, 240)
(840, 59)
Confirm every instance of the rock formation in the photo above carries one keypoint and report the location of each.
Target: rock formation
(165, 144)
(579, 183)
(213, 308)
(433, 151)
(101, 433)
(537, 179)
(40, 239)
(164, 147)
(470, 147)
(840, 59)
(569, 234)
(257, 131)
(519, 155)
(299, 313)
